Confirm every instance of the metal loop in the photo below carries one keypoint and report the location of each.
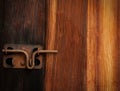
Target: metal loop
(19, 51)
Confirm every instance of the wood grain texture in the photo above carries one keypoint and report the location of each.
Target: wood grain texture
(92, 45)
(87, 38)
(102, 45)
(117, 63)
(27, 18)
(51, 6)
(22, 22)
(107, 51)
(68, 68)
(85, 33)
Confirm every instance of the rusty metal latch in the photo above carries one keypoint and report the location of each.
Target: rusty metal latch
(24, 56)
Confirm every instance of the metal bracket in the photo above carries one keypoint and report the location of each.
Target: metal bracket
(24, 56)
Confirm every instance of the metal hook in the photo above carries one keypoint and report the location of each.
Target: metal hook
(38, 52)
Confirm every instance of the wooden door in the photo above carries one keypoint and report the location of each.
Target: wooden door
(85, 33)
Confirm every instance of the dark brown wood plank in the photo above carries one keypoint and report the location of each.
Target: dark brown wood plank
(117, 61)
(27, 19)
(23, 22)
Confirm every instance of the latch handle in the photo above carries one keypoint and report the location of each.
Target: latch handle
(38, 52)
(29, 61)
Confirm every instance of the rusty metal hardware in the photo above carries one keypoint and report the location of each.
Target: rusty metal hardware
(40, 52)
(24, 56)
(20, 55)
(18, 51)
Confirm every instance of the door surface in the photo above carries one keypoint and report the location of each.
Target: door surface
(21, 22)
(85, 33)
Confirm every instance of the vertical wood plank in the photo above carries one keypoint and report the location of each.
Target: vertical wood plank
(67, 68)
(92, 45)
(102, 45)
(107, 44)
(21, 22)
(117, 63)
(50, 41)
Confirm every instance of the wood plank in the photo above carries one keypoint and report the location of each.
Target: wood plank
(102, 45)
(51, 6)
(92, 45)
(23, 22)
(67, 68)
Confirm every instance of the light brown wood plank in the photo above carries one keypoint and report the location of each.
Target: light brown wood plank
(50, 42)
(102, 45)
